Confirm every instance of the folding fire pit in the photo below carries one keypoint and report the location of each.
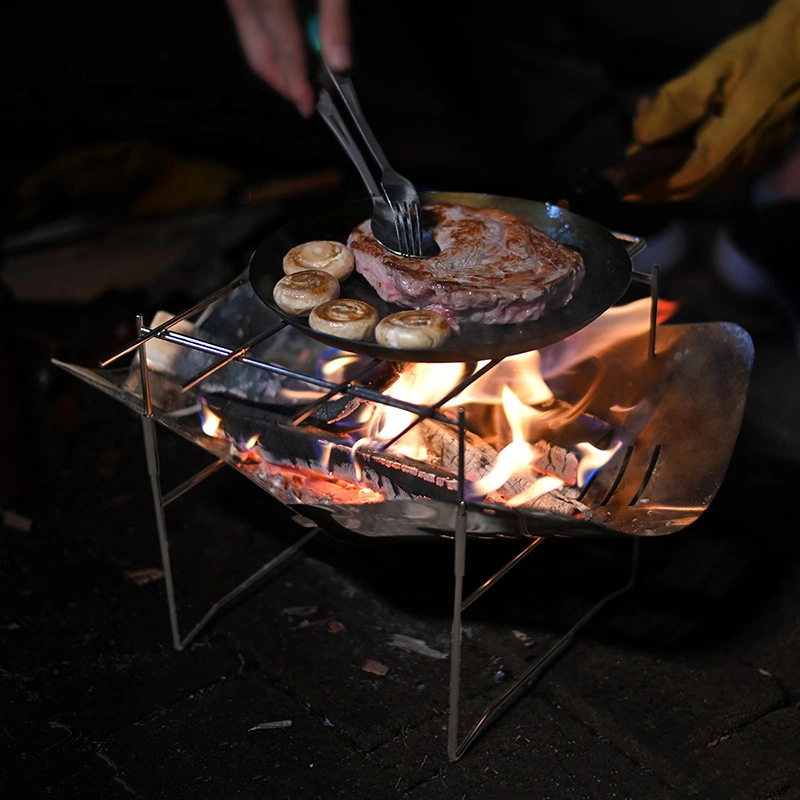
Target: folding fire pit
(623, 428)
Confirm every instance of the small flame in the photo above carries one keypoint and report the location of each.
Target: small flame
(423, 384)
(545, 484)
(361, 443)
(593, 459)
(325, 450)
(336, 366)
(521, 373)
(210, 422)
(616, 325)
(510, 460)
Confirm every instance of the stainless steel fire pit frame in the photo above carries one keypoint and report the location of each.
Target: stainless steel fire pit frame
(532, 539)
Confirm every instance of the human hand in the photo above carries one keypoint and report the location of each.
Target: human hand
(272, 37)
(741, 97)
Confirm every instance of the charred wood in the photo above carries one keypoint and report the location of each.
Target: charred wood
(442, 443)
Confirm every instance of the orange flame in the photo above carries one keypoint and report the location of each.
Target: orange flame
(517, 387)
(513, 399)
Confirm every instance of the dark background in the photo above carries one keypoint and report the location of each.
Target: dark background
(688, 688)
(475, 98)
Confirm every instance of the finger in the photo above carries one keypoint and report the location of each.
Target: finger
(270, 35)
(255, 43)
(335, 33)
(281, 25)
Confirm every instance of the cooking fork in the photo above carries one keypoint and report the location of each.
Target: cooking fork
(412, 239)
(386, 227)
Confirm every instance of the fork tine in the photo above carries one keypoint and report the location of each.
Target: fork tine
(399, 228)
(401, 220)
(407, 223)
(412, 228)
(396, 190)
(409, 236)
(416, 228)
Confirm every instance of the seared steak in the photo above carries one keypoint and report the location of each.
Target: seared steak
(493, 268)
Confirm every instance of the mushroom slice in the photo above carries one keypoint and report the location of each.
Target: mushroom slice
(301, 292)
(324, 254)
(345, 317)
(416, 329)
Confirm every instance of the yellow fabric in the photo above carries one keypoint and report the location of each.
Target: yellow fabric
(741, 97)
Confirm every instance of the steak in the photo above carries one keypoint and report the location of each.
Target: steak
(494, 268)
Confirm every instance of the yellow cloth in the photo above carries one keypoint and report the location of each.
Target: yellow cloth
(742, 97)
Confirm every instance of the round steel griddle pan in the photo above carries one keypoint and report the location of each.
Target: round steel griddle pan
(607, 276)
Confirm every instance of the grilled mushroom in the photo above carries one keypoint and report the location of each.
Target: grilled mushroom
(324, 254)
(345, 317)
(414, 329)
(301, 292)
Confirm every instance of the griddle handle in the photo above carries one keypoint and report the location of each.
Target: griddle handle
(633, 244)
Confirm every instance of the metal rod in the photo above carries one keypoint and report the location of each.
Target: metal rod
(355, 391)
(460, 557)
(462, 454)
(655, 285)
(338, 389)
(455, 633)
(154, 473)
(283, 556)
(486, 585)
(192, 482)
(144, 374)
(201, 376)
(143, 337)
(526, 680)
(633, 244)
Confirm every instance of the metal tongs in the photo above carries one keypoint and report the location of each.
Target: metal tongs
(396, 217)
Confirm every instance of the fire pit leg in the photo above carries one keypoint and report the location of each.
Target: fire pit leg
(153, 471)
(151, 453)
(525, 681)
(653, 279)
(455, 634)
(160, 501)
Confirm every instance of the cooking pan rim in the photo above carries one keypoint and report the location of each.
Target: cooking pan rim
(608, 273)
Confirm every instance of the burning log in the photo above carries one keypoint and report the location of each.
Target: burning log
(281, 394)
(552, 459)
(480, 458)
(312, 455)
(320, 466)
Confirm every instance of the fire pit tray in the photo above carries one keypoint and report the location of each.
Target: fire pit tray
(680, 412)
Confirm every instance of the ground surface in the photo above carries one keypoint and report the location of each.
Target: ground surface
(687, 687)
